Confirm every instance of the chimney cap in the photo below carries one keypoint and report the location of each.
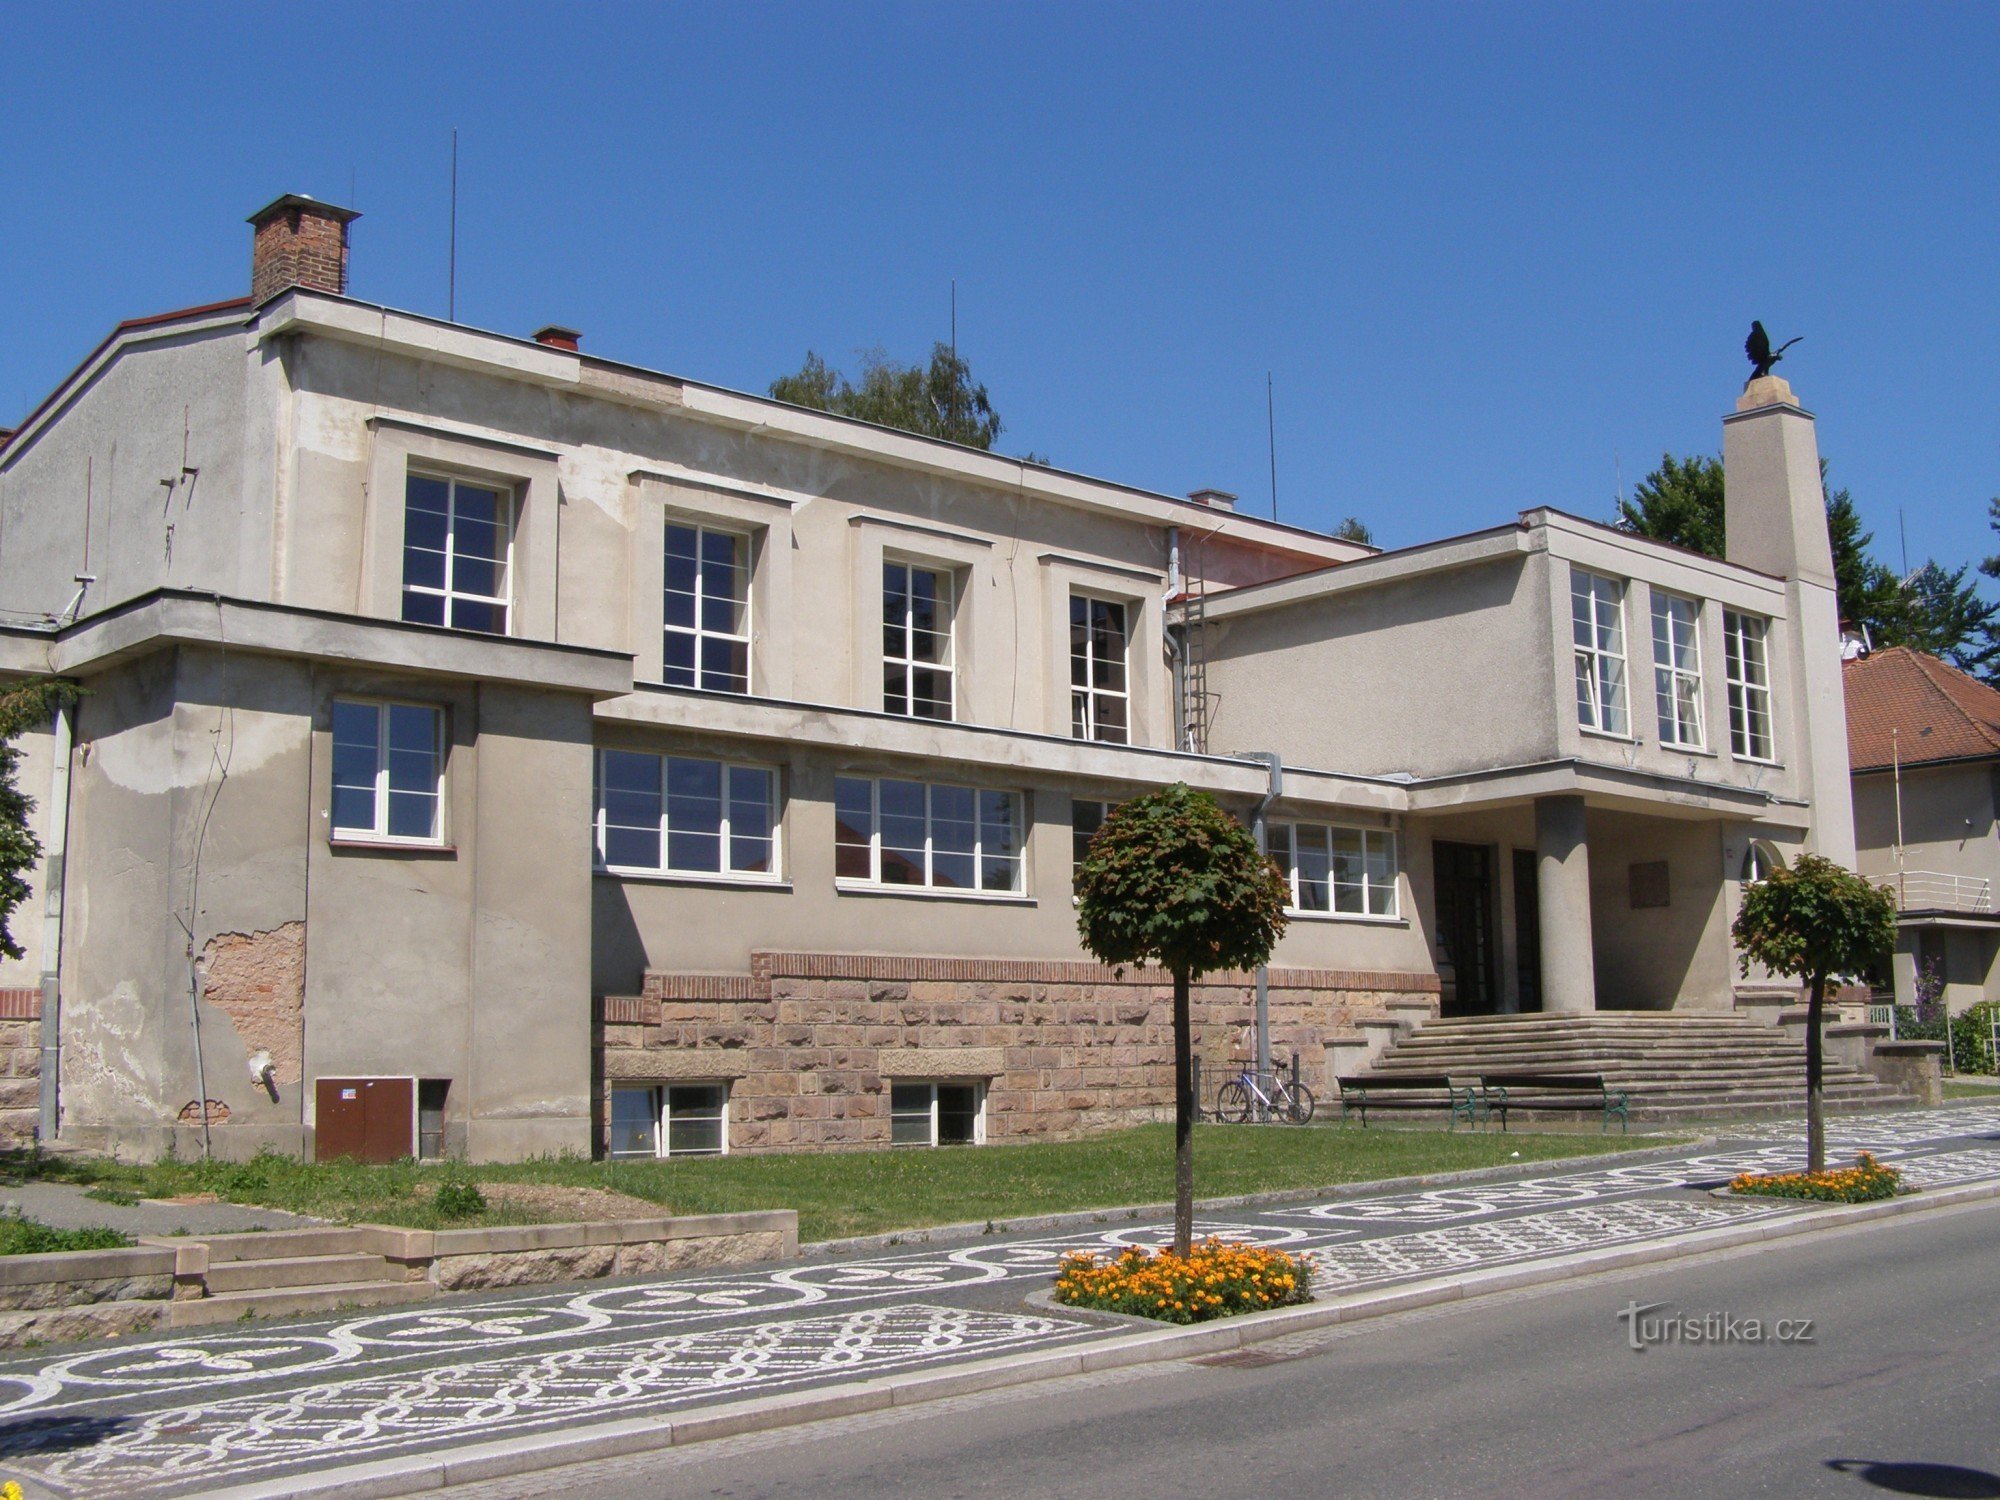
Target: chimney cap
(301, 201)
(1215, 499)
(558, 337)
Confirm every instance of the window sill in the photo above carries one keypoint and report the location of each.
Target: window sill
(1672, 749)
(1367, 919)
(931, 893)
(1605, 734)
(1757, 760)
(347, 844)
(687, 877)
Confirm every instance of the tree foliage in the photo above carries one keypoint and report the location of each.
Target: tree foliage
(1679, 502)
(1354, 529)
(1812, 922)
(25, 706)
(1172, 879)
(939, 400)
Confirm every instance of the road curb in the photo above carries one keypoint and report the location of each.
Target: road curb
(421, 1472)
(1090, 1218)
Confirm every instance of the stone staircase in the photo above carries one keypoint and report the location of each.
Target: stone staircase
(286, 1273)
(1674, 1065)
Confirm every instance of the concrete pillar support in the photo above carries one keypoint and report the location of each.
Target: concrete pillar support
(1569, 980)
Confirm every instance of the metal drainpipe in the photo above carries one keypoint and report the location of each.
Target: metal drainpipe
(1257, 827)
(56, 869)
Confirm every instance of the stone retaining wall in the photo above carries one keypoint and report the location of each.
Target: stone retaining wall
(20, 1065)
(807, 1040)
(83, 1294)
(463, 1259)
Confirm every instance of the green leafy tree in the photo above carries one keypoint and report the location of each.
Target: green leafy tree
(1354, 529)
(1174, 880)
(25, 706)
(1943, 614)
(1679, 502)
(939, 400)
(1811, 922)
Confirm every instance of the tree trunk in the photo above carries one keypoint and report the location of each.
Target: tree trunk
(1815, 1121)
(1183, 1119)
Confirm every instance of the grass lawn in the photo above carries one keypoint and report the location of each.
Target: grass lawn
(1954, 1089)
(865, 1192)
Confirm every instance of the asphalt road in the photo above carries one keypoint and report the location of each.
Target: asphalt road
(1896, 1391)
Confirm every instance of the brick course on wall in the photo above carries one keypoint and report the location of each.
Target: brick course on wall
(20, 1065)
(807, 1040)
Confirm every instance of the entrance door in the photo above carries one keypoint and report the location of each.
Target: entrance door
(1528, 928)
(368, 1119)
(1464, 878)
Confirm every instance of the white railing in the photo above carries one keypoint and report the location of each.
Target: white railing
(1934, 890)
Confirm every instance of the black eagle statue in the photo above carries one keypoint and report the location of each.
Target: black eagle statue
(1762, 355)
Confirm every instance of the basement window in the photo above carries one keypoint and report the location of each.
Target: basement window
(669, 1119)
(430, 1117)
(937, 1114)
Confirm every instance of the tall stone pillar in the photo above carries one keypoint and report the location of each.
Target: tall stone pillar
(1562, 870)
(1775, 515)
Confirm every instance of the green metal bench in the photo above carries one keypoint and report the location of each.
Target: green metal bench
(1408, 1091)
(1500, 1092)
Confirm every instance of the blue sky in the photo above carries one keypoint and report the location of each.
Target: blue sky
(1488, 253)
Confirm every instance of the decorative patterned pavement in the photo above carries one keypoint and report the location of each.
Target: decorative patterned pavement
(187, 1414)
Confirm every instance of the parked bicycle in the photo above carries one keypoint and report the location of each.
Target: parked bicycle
(1241, 1099)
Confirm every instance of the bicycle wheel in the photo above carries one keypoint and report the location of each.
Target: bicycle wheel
(1299, 1106)
(1232, 1102)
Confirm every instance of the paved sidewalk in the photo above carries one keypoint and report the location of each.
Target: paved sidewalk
(64, 1205)
(259, 1404)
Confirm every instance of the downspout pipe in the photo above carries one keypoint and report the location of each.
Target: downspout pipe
(1260, 827)
(55, 868)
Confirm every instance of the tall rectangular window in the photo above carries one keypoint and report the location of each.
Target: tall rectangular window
(1099, 703)
(937, 1114)
(1597, 621)
(458, 546)
(674, 1119)
(1677, 670)
(1348, 871)
(911, 833)
(388, 771)
(675, 815)
(707, 642)
(1747, 667)
(1085, 818)
(916, 641)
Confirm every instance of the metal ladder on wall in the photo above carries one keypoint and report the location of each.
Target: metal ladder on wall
(1194, 662)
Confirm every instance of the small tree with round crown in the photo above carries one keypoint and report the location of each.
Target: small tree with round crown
(1811, 922)
(1174, 880)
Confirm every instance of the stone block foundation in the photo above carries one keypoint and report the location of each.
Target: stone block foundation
(20, 1066)
(809, 1042)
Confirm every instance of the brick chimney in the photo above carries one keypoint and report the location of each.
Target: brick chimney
(558, 337)
(1214, 499)
(299, 241)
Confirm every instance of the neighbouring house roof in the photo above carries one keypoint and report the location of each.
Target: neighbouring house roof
(1905, 706)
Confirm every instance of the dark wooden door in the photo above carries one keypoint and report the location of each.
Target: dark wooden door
(367, 1119)
(1528, 928)
(1464, 879)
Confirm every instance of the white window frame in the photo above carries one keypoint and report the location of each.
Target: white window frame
(1674, 684)
(600, 820)
(699, 632)
(1748, 698)
(509, 509)
(874, 882)
(1601, 699)
(1084, 696)
(661, 1110)
(947, 597)
(1103, 806)
(1378, 846)
(379, 833)
(978, 1087)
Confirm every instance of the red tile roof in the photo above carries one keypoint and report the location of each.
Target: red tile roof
(1936, 711)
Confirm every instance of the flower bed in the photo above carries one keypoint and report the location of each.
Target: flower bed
(1216, 1280)
(1864, 1182)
